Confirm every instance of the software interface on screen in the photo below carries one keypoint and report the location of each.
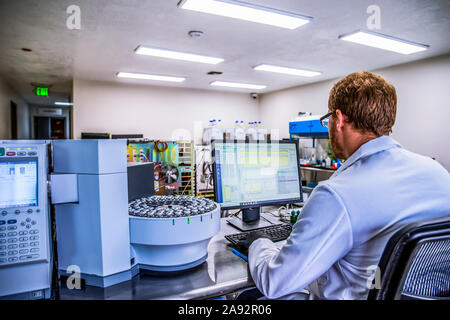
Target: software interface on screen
(256, 173)
(18, 184)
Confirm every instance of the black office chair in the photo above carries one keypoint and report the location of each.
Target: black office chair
(415, 264)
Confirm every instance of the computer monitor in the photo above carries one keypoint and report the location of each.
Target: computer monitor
(141, 180)
(127, 136)
(252, 174)
(92, 135)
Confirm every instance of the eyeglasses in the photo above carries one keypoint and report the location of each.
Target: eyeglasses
(324, 120)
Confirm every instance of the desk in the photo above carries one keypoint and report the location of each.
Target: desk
(221, 274)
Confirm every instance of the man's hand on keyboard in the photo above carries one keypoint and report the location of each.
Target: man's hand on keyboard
(252, 236)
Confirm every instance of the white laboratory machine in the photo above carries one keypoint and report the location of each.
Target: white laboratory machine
(25, 233)
(89, 190)
(111, 239)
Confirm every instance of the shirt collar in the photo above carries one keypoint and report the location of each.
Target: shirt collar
(371, 147)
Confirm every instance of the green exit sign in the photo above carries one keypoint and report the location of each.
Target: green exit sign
(41, 91)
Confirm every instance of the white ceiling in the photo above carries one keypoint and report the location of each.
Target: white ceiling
(112, 29)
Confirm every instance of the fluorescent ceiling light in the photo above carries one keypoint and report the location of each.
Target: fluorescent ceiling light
(60, 103)
(237, 85)
(155, 52)
(247, 11)
(296, 72)
(149, 77)
(381, 41)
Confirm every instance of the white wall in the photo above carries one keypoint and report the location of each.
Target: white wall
(422, 123)
(423, 110)
(23, 124)
(156, 112)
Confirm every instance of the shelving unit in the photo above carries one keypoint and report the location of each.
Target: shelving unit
(201, 157)
(186, 168)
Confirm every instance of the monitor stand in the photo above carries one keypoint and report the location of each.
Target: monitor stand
(250, 220)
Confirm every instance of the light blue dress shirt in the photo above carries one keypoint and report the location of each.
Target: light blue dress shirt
(339, 238)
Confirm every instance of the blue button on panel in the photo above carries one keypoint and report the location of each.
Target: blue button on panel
(12, 221)
(2, 222)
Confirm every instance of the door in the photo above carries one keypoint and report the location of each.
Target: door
(42, 128)
(13, 121)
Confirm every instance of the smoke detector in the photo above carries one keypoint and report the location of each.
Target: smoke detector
(195, 34)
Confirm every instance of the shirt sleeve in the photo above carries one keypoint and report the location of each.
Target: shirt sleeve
(320, 237)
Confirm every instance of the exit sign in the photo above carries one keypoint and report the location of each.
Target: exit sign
(41, 91)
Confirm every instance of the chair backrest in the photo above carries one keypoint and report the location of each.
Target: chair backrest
(416, 263)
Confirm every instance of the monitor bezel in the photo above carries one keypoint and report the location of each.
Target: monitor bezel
(258, 203)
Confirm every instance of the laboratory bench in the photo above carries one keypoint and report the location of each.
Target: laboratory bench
(223, 275)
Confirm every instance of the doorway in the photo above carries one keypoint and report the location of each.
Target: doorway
(13, 120)
(50, 128)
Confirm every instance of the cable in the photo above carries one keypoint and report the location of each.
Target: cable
(165, 146)
(283, 216)
(235, 214)
(208, 176)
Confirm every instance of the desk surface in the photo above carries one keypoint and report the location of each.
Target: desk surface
(222, 273)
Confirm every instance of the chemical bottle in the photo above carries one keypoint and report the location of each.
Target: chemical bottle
(328, 162)
(239, 131)
(261, 132)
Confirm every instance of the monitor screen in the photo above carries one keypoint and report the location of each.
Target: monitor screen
(18, 183)
(256, 173)
(141, 180)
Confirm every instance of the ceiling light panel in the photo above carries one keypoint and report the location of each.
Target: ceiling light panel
(237, 85)
(385, 42)
(285, 70)
(248, 12)
(169, 54)
(144, 76)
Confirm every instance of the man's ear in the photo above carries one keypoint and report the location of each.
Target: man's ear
(339, 120)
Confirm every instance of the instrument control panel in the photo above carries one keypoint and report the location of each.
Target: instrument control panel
(23, 203)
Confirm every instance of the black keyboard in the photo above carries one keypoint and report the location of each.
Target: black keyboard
(275, 233)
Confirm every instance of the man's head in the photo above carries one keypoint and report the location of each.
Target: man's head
(364, 106)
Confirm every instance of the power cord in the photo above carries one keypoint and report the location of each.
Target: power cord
(235, 214)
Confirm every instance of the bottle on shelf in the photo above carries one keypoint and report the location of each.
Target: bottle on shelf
(239, 130)
(328, 162)
(248, 131)
(261, 132)
(253, 131)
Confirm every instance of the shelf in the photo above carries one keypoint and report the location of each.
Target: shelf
(314, 168)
